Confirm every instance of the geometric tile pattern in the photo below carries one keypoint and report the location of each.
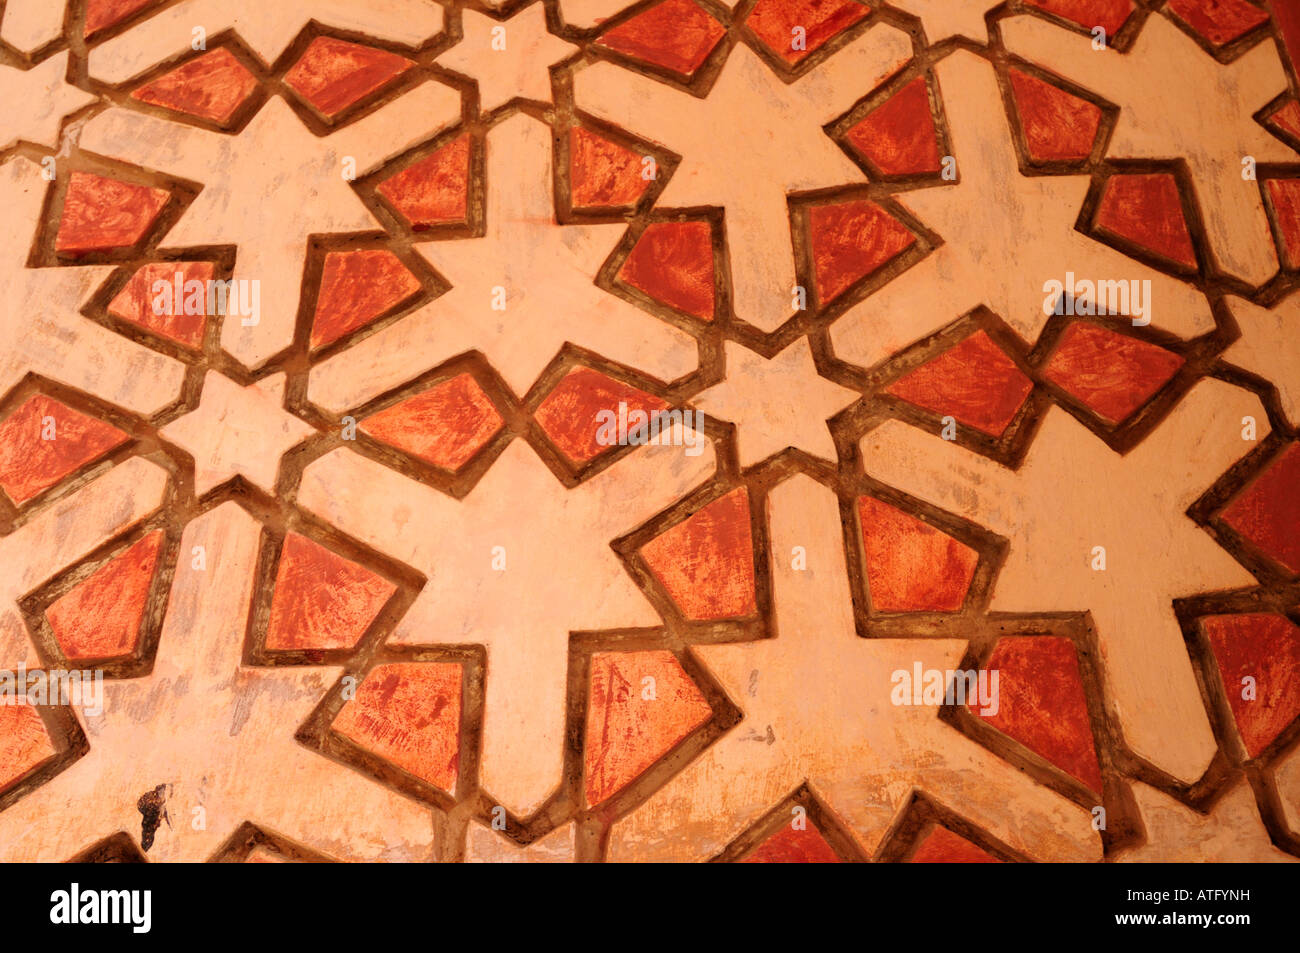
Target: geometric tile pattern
(789, 432)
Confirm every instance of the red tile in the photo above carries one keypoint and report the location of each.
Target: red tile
(100, 618)
(102, 14)
(355, 288)
(322, 600)
(333, 74)
(1287, 118)
(1041, 703)
(1110, 15)
(409, 714)
(672, 262)
(1286, 14)
(912, 566)
(851, 240)
(1266, 648)
(974, 382)
(211, 86)
(101, 214)
(942, 846)
(433, 191)
(1111, 374)
(898, 136)
(1146, 210)
(1284, 198)
(31, 464)
(790, 846)
(706, 563)
(568, 413)
(642, 704)
(773, 22)
(1057, 125)
(24, 743)
(676, 34)
(1219, 21)
(1267, 511)
(444, 425)
(603, 174)
(142, 301)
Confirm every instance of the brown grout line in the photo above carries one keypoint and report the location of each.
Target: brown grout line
(819, 814)
(557, 118)
(248, 837)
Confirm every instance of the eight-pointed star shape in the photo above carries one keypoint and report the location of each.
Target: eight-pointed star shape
(777, 403)
(268, 189)
(1176, 101)
(518, 293)
(816, 703)
(517, 68)
(945, 18)
(237, 430)
(1270, 347)
(1005, 235)
(267, 26)
(220, 734)
(517, 584)
(1072, 494)
(36, 100)
(746, 146)
(40, 329)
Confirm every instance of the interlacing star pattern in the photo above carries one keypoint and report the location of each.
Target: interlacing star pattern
(577, 430)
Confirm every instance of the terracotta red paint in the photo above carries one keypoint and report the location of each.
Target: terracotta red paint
(627, 732)
(1267, 511)
(1284, 197)
(135, 302)
(333, 74)
(790, 846)
(1041, 703)
(356, 287)
(24, 743)
(602, 174)
(1264, 647)
(851, 240)
(898, 136)
(1286, 14)
(29, 464)
(706, 562)
(676, 34)
(100, 618)
(409, 714)
(1110, 15)
(912, 566)
(1287, 118)
(1219, 21)
(322, 600)
(568, 413)
(1057, 125)
(444, 425)
(773, 20)
(211, 87)
(433, 191)
(973, 381)
(942, 846)
(672, 262)
(1110, 373)
(102, 14)
(1146, 210)
(101, 213)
